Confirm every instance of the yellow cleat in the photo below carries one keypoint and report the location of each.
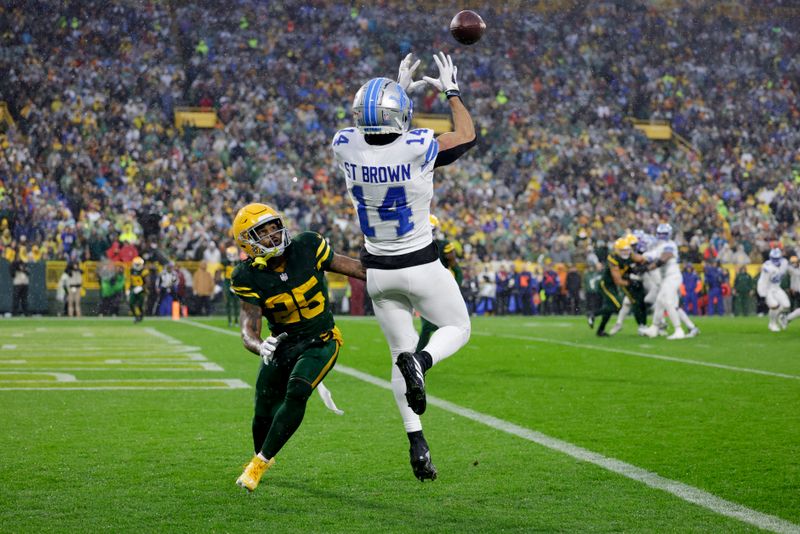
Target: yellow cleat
(253, 472)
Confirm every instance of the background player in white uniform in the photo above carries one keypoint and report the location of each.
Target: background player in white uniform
(389, 173)
(665, 256)
(652, 283)
(769, 287)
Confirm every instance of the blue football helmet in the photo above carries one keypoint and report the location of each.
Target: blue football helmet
(381, 106)
(776, 255)
(664, 231)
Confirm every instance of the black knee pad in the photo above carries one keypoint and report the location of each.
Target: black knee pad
(298, 390)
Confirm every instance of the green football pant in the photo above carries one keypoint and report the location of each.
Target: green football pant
(282, 390)
(428, 328)
(636, 295)
(136, 304)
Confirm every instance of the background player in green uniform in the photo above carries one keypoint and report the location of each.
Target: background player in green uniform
(617, 265)
(447, 255)
(136, 289)
(283, 280)
(229, 263)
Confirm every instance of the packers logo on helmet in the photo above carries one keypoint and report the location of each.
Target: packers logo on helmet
(137, 264)
(250, 231)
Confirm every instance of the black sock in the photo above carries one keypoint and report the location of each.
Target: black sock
(260, 429)
(603, 323)
(427, 360)
(417, 440)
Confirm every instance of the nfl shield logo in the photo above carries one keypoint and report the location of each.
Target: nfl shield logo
(284, 277)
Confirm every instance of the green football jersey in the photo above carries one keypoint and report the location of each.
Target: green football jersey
(615, 260)
(295, 299)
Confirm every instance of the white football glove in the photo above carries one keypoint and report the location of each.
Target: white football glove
(446, 81)
(268, 347)
(405, 76)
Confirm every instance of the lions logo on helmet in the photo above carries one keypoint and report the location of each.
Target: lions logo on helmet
(249, 231)
(381, 106)
(776, 255)
(664, 231)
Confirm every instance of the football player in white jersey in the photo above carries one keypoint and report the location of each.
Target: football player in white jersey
(388, 168)
(664, 255)
(769, 288)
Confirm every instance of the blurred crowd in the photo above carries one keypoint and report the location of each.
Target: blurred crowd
(95, 167)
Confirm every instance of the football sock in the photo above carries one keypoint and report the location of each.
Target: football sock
(672, 313)
(773, 315)
(416, 438)
(260, 428)
(288, 417)
(427, 360)
(794, 315)
(684, 317)
(623, 312)
(411, 420)
(603, 323)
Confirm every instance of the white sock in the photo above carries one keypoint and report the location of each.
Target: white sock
(684, 317)
(794, 315)
(773, 315)
(411, 420)
(672, 313)
(261, 455)
(623, 312)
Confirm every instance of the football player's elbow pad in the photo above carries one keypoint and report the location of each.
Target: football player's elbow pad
(446, 157)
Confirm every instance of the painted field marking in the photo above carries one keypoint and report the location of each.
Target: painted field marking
(144, 384)
(675, 359)
(9, 347)
(60, 377)
(679, 489)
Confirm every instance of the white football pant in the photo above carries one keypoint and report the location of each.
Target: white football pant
(432, 290)
(668, 299)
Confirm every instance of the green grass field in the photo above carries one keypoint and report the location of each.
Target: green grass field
(536, 425)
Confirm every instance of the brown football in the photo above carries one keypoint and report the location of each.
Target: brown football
(467, 27)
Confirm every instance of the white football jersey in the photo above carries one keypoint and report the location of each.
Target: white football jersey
(671, 268)
(391, 187)
(771, 276)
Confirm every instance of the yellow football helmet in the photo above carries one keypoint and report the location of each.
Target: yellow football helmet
(622, 246)
(137, 264)
(232, 253)
(434, 220)
(631, 239)
(246, 226)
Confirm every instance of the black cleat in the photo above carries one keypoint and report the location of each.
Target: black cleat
(411, 369)
(421, 464)
(603, 334)
(590, 320)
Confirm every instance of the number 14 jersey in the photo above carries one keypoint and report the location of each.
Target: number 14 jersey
(391, 187)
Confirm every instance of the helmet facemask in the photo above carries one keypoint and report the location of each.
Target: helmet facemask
(267, 244)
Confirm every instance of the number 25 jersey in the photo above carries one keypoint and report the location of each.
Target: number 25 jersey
(294, 299)
(391, 187)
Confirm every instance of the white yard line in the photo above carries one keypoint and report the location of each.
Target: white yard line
(679, 489)
(641, 354)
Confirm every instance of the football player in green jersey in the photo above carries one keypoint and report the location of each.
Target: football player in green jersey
(229, 263)
(283, 280)
(447, 255)
(617, 265)
(136, 288)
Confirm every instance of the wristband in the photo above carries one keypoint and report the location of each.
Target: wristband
(452, 92)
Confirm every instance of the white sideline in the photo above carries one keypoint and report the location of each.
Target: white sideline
(601, 348)
(679, 489)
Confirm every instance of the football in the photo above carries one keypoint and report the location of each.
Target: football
(467, 27)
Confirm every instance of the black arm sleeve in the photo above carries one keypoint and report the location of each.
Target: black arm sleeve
(446, 157)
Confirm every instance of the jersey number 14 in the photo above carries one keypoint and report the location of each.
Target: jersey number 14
(393, 208)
